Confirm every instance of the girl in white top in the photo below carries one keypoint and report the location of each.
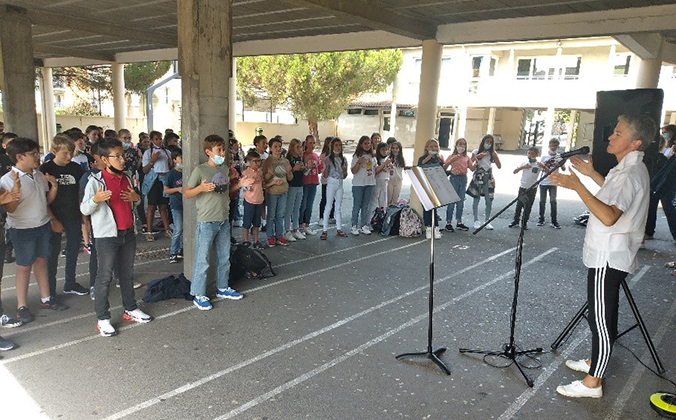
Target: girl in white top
(397, 174)
(363, 167)
(335, 171)
(384, 168)
(483, 183)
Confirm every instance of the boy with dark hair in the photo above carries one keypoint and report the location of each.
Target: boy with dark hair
(547, 187)
(209, 185)
(66, 211)
(109, 199)
(261, 144)
(173, 187)
(531, 169)
(28, 220)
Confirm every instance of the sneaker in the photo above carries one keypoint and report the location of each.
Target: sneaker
(437, 233)
(462, 227)
(578, 390)
(6, 344)
(298, 234)
(24, 315)
(9, 322)
(180, 254)
(246, 244)
(428, 232)
(144, 230)
(354, 231)
(513, 224)
(477, 224)
(63, 253)
(229, 293)
(92, 293)
(53, 305)
(320, 222)
(489, 227)
(233, 241)
(449, 227)
(271, 242)
(332, 221)
(259, 246)
(202, 303)
(282, 241)
(309, 231)
(137, 285)
(540, 223)
(264, 228)
(87, 249)
(555, 226)
(173, 259)
(76, 289)
(136, 315)
(289, 237)
(366, 230)
(105, 328)
(578, 365)
(9, 258)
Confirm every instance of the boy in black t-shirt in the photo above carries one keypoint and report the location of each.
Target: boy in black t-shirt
(66, 210)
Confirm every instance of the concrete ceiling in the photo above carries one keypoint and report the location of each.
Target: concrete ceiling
(74, 32)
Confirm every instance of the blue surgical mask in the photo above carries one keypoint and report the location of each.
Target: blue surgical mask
(179, 166)
(432, 152)
(218, 160)
(488, 146)
(666, 136)
(126, 145)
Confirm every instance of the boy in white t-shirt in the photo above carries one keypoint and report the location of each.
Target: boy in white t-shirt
(547, 187)
(530, 170)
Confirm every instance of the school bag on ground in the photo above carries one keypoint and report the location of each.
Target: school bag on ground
(249, 263)
(377, 220)
(392, 221)
(170, 287)
(410, 225)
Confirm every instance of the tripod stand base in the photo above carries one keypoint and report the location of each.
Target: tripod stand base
(510, 353)
(433, 355)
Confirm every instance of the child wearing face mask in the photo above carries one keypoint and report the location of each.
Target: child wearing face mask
(460, 163)
(397, 174)
(431, 158)
(483, 183)
(530, 171)
(547, 187)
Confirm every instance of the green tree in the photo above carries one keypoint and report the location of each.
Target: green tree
(319, 86)
(140, 76)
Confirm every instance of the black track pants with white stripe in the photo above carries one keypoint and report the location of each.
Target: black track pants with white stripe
(603, 290)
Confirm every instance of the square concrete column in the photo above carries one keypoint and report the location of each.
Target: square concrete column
(17, 72)
(119, 100)
(649, 70)
(205, 65)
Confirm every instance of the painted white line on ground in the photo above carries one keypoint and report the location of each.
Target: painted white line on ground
(300, 379)
(192, 307)
(192, 385)
(334, 252)
(15, 400)
(522, 399)
(639, 370)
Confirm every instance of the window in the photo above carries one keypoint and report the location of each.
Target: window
(386, 124)
(571, 67)
(621, 65)
(370, 112)
(445, 66)
(523, 68)
(354, 111)
(548, 68)
(492, 67)
(407, 113)
(476, 66)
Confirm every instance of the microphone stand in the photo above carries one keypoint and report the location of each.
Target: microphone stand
(510, 350)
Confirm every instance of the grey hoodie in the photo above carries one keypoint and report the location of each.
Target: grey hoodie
(103, 221)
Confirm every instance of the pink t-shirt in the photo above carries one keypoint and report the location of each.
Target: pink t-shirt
(252, 181)
(460, 165)
(311, 176)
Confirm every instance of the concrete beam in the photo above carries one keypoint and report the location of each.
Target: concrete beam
(605, 23)
(369, 15)
(646, 46)
(58, 20)
(73, 52)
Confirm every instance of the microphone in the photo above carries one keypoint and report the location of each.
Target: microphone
(581, 151)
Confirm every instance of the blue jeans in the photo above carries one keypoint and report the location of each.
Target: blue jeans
(487, 200)
(309, 192)
(293, 201)
(208, 234)
(276, 208)
(361, 197)
(459, 183)
(177, 237)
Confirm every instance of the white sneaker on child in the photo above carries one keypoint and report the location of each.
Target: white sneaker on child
(105, 328)
(310, 231)
(289, 236)
(354, 231)
(298, 234)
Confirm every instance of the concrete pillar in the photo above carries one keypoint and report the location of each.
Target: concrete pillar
(491, 121)
(205, 66)
(18, 72)
(426, 119)
(549, 125)
(47, 96)
(649, 71)
(119, 101)
(570, 143)
(232, 106)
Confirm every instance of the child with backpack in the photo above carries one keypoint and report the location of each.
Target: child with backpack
(397, 173)
(251, 183)
(363, 183)
(335, 171)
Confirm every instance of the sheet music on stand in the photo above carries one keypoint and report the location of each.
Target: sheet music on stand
(432, 186)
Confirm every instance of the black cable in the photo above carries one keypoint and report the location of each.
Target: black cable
(661, 376)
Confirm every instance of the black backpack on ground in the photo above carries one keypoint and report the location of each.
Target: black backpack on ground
(391, 222)
(249, 263)
(377, 220)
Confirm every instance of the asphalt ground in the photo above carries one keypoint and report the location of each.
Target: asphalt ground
(318, 340)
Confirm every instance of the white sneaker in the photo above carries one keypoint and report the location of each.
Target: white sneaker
(489, 226)
(289, 236)
(437, 233)
(320, 222)
(477, 224)
(428, 232)
(136, 315)
(578, 365)
(298, 235)
(105, 328)
(332, 221)
(578, 390)
(366, 230)
(354, 230)
(310, 231)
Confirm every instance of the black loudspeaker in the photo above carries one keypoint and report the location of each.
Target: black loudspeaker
(612, 104)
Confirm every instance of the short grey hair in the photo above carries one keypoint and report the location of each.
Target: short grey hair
(643, 128)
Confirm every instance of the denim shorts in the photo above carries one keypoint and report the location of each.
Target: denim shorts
(31, 243)
(252, 215)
